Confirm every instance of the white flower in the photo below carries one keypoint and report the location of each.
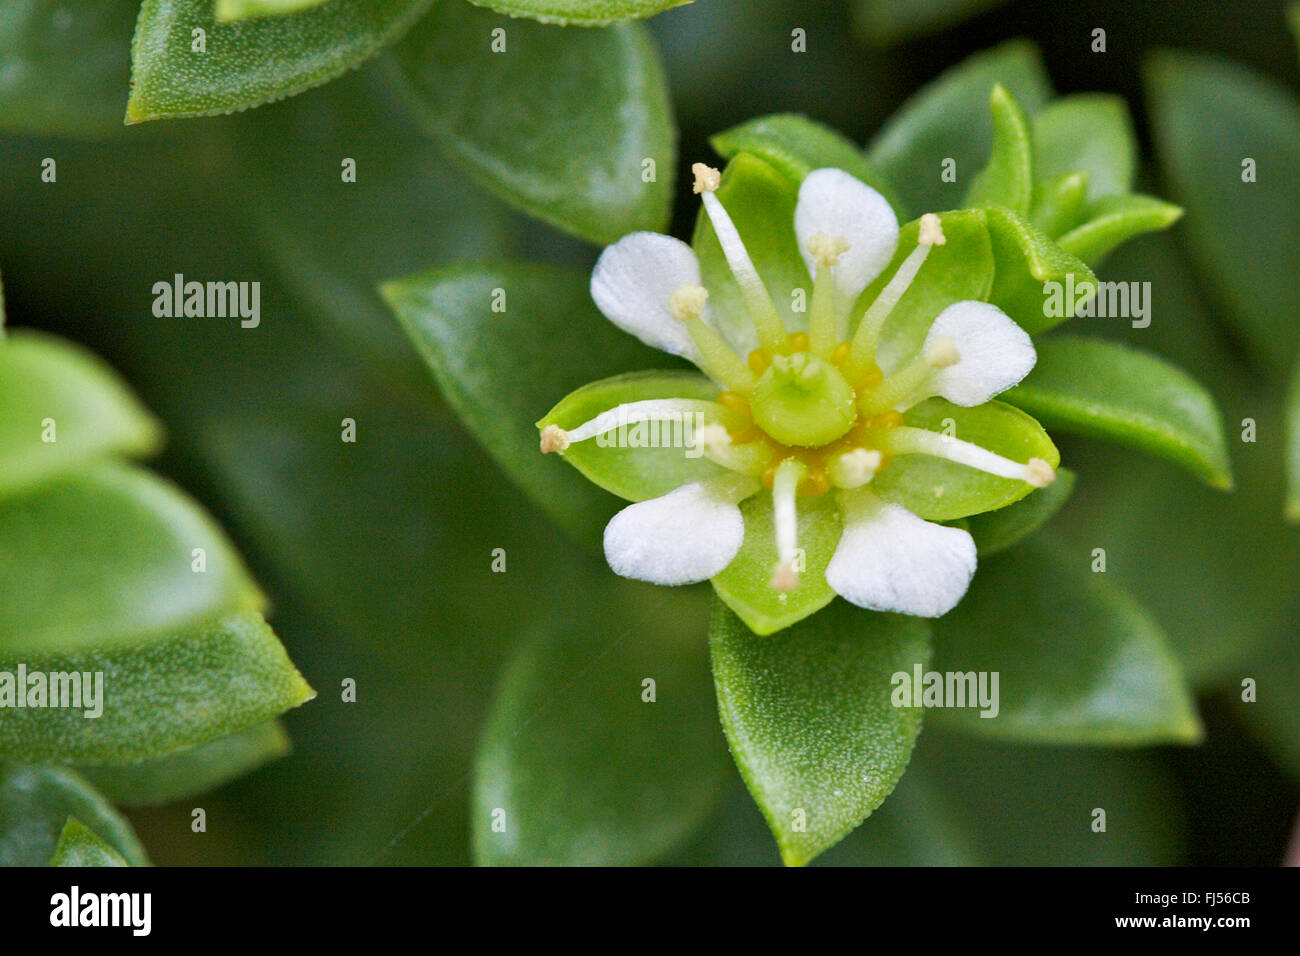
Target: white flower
(822, 415)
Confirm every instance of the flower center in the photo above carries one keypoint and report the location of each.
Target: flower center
(804, 401)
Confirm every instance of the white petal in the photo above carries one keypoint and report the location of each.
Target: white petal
(687, 535)
(839, 205)
(888, 559)
(632, 283)
(995, 352)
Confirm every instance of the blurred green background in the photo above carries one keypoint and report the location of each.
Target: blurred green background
(377, 555)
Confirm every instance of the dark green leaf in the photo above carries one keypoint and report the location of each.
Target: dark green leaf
(189, 772)
(796, 145)
(79, 846)
(949, 119)
(998, 530)
(334, 241)
(35, 804)
(1112, 391)
(252, 62)
(582, 761)
(567, 125)
(1213, 119)
(809, 717)
(1078, 661)
(500, 370)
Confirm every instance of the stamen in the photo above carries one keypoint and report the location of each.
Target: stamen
(716, 358)
(942, 353)
(824, 320)
(554, 438)
(930, 234)
(785, 486)
(855, 468)
(771, 331)
(919, 441)
(751, 458)
(669, 410)
(907, 386)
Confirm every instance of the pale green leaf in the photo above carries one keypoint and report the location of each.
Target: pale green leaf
(108, 555)
(1008, 178)
(80, 846)
(60, 407)
(746, 584)
(158, 694)
(584, 13)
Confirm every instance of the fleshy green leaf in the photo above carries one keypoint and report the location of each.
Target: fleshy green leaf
(809, 717)
(746, 584)
(249, 63)
(500, 369)
(949, 119)
(1059, 204)
(564, 124)
(1293, 449)
(602, 746)
(884, 22)
(1007, 180)
(1087, 132)
(231, 10)
(80, 846)
(638, 473)
(961, 268)
(1215, 122)
(1109, 390)
(35, 803)
(796, 145)
(189, 772)
(995, 531)
(941, 490)
(108, 555)
(1025, 262)
(585, 13)
(1033, 806)
(66, 64)
(1078, 661)
(332, 241)
(158, 695)
(63, 406)
(1114, 220)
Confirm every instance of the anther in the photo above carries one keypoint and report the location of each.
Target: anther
(554, 438)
